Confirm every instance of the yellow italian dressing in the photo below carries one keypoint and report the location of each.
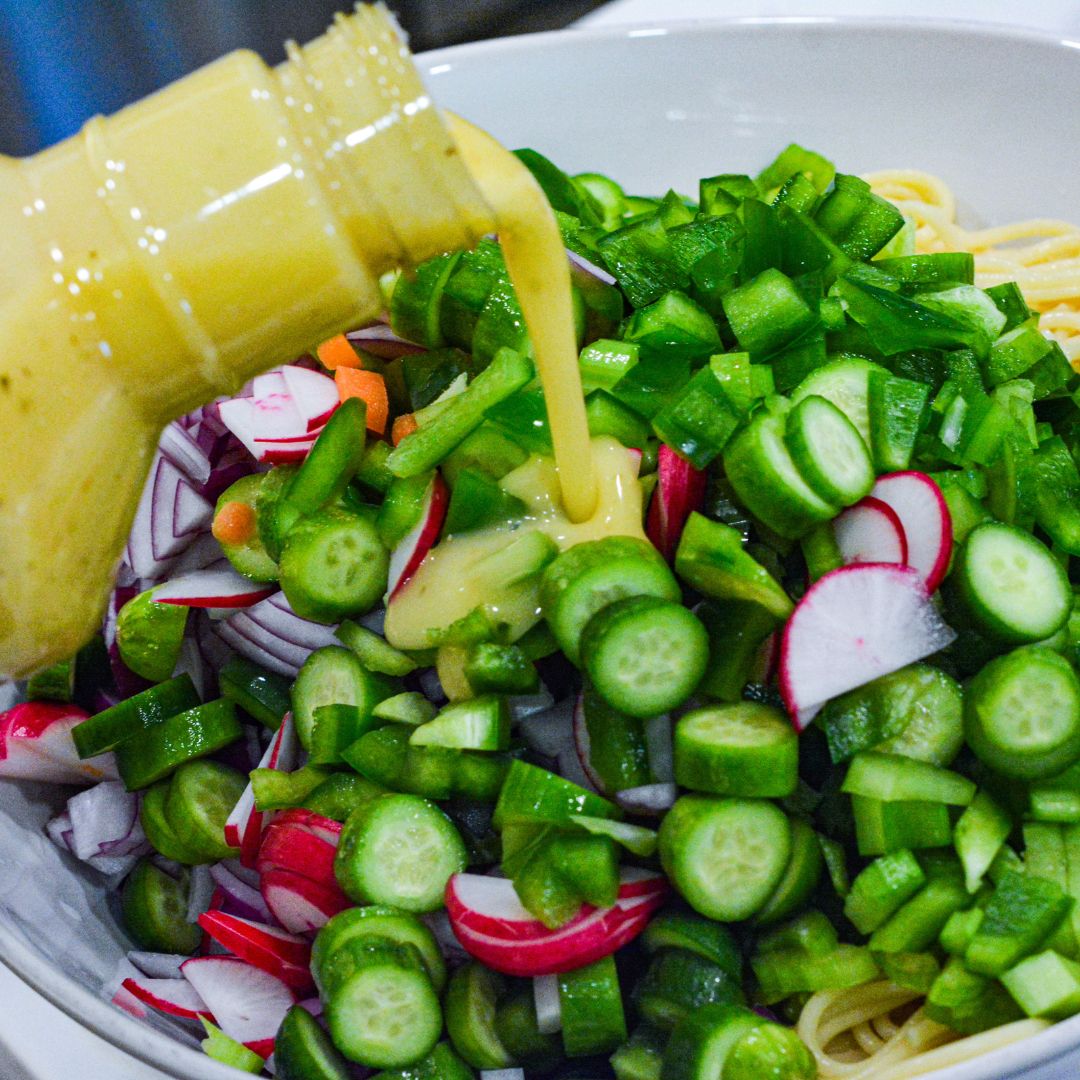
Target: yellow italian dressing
(453, 580)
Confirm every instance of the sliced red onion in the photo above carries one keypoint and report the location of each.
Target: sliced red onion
(200, 892)
(105, 821)
(523, 705)
(438, 922)
(375, 621)
(580, 267)
(648, 799)
(548, 1004)
(203, 553)
(240, 897)
(431, 687)
(658, 748)
(191, 513)
(59, 831)
(157, 965)
(184, 451)
(381, 341)
(768, 1014)
(312, 1005)
(248, 649)
(549, 732)
(167, 866)
(233, 464)
(114, 867)
(502, 1074)
(103, 699)
(247, 874)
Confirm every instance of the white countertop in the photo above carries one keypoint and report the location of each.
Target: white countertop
(37, 1041)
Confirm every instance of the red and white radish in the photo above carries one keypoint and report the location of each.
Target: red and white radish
(243, 828)
(266, 947)
(300, 904)
(316, 824)
(924, 516)
(214, 587)
(852, 626)
(314, 395)
(286, 847)
(491, 924)
(870, 532)
(36, 744)
(274, 414)
(680, 490)
(420, 539)
(174, 997)
(248, 1004)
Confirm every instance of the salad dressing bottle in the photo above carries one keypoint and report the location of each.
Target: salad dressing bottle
(166, 254)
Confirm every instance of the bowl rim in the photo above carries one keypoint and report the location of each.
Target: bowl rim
(162, 1051)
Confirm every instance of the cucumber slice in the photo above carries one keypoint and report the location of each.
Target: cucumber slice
(249, 557)
(681, 930)
(410, 708)
(913, 971)
(333, 564)
(916, 924)
(618, 753)
(766, 480)
(441, 1064)
(220, 1047)
(481, 723)
(845, 383)
(748, 749)
(829, 452)
(384, 1015)
(1022, 714)
(378, 921)
(1012, 585)
(979, 835)
(340, 794)
(800, 877)
(399, 850)
(154, 909)
(303, 1051)
(201, 797)
(374, 651)
(881, 827)
(726, 856)
(593, 1020)
(163, 838)
(332, 462)
(641, 1058)
(1046, 985)
(519, 1031)
(645, 655)
(701, 1044)
(274, 516)
(678, 982)
(594, 574)
(149, 636)
(332, 676)
(471, 1001)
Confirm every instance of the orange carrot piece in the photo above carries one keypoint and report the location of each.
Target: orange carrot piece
(369, 387)
(234, 523)
(338, 353)
(404, 425)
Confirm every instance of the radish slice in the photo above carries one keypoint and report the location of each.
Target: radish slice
(314, 395)
(420, 539)
(218, 587)
(855, 625)
(870, 532)
(300, 904)
(924, 516)
(286, 847)
(310, 822)
(680, 490)
(277, 951)
(274, 414)
(174, 997)
(490, 923)
(243, 828)
(36, 744)
(247, 1004)
(547, 1003)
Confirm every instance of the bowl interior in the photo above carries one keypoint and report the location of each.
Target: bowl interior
(655, 107)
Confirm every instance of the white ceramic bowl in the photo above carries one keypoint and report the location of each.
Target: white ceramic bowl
(993, 112)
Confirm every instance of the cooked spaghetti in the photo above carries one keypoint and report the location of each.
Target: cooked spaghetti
(1042, 255)
(873, 1032)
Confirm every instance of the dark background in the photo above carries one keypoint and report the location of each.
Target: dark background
(62, 61)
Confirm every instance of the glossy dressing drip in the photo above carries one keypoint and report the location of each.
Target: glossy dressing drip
(590, 490)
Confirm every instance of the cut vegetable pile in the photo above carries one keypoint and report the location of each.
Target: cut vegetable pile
(815, 723)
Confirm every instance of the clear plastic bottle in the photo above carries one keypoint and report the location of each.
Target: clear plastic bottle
(164, 255)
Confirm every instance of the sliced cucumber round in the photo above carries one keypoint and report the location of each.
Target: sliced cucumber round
(829, 452)
(249, 557)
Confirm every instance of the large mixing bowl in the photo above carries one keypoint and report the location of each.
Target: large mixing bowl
(993, 112)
